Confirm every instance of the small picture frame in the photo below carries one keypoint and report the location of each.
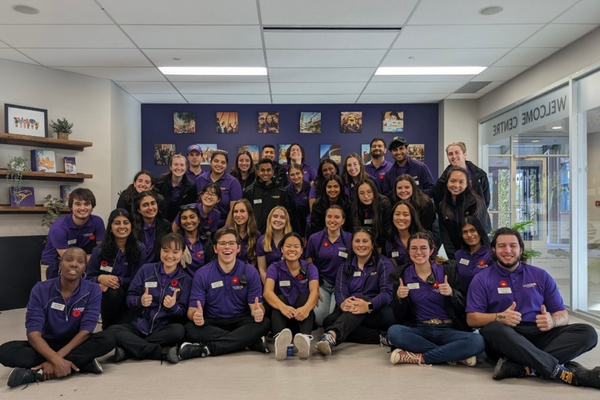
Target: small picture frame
(253, 149)
(268, 122)
(393, 121)
(163, 153)
(206, 151)
(310, 122)
(227, 122)
(184, 123)
(21, 120)
(365, 152)
(282, 152)
(332, 151)
(416, 151)
(351, 122)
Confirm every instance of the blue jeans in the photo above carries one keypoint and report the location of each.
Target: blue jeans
(437, 343)
(325, 307)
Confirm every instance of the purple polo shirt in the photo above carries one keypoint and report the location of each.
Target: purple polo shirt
(299, 198)
(395, 250)
(327, 256)
(312, 194)
(292, 286)
(224, 295)
(197, 252)
(243, 254)
(426, 300)
(378, 174)
(418, 170)
(371, 283)
(149, 236)
(272, 256)
(48, 313)
(208, 223)
(192, 176)
(468, 265)
(494, 289)
(308, 172)
(118, 266)
(230, 190)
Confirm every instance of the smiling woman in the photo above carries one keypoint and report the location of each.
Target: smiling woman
(175, 187)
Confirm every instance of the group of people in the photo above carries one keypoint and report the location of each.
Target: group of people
(204, 263)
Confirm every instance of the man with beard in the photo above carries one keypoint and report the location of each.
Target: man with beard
(524, 320)
(194, 157)
(406, 165)
(378, 166)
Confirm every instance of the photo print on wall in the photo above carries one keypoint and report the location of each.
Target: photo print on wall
(184, 122)
(282, 150)
(393, 121)
(365, 151)
(416, 151)
(333, 151)
(268, 122)
(206, 150)
(310, 122)
(227, 122)
(253, 149)
(163, 153)
(351, 122)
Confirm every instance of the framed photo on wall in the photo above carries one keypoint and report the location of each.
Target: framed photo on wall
(351, 122)
(268, 122)
(282, 150)
(253, 149)
(333, 151)
(365, 151)
(227, 122)
(21, 120)
(184, 122)
(393, 121)
(163, 153)
(310, 122)
(416, 151)
(206, 150)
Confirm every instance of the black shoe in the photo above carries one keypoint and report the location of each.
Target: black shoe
(20, 376)
(120, 354)
(93, 367)
(259, 346)
(582, 376)
(192, 350)
(170, 354)
(508, 369)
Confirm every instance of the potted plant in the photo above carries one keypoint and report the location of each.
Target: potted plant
(55, 206)
(62, 127)
(14, 177)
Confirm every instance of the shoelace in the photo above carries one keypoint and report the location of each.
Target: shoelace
(406, 357)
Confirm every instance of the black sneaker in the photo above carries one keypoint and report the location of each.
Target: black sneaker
(508, 369)
(120, 354)
(192, 350)
(582, 376)
(326, 343)
(260, 346)
(21, 376)
(170, 354)
(93, 367)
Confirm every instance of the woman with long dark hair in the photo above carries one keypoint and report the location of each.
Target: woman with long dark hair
(333, 194)
(149, 224)
(372, 210)
(353, 171)
(144, 180)
(175, 187)
(405, 223)
(297, 191)
(475, 254)
(198, 245)
(406, 189)
(327, 168)
(244, 170)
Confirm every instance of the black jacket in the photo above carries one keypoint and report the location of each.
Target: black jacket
(479, 178)
(163, 227)
(188, 195)
(385, 220)
(263, 198)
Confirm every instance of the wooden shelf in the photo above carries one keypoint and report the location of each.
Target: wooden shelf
(50, 176)
(35, 141)
(6, 209)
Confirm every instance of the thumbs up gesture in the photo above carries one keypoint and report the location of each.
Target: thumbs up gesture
(510, 316)
(146, 298)
(445, 288)
(544, 321)
(198, 314)
(257, 311)
(402, 291)
(170, 301)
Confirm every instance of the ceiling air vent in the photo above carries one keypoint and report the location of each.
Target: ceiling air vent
(332, 28)
(473, 87)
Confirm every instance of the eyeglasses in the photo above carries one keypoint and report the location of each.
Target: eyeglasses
(209, 194)
(422, 249)
(187, 206)
(230, 244)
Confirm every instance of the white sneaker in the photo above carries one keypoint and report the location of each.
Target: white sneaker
(282, 340)
(302, 343)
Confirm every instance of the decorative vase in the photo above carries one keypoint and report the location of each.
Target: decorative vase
(63, 135)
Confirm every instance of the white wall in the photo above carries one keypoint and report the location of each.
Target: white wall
(458, 123)
(91, 104)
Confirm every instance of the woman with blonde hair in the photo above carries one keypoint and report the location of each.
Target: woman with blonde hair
(267, 246)
(241, 218)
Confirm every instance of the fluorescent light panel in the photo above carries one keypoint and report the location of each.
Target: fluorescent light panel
(213, 70)
(429, 70)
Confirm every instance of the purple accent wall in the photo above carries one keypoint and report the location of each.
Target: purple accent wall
(420, 126)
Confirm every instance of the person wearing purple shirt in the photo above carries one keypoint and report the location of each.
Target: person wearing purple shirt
(327, 168)
(225, 308)
(297, 192)
(295, 154)
(78, 229)
(61, 317)
(405, 223)
(475, 254)
(175, 187)
(524, 321)
(292, 290)
(430, 303)
(230, 187)
(353, 172)
(406, 165)
(241, 219)
(198, 246)
(378, 166)
(149, 224)
(363, 294)
(328, 249)
(208, 214)
(268, 248)
(194, 157)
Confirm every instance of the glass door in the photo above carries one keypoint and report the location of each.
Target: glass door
(530, 200)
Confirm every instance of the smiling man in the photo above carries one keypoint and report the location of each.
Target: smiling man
(406, 165)
(378, 166)
(524, 321)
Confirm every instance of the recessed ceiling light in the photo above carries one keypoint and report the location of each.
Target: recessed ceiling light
(429, 70)
(534, 141)
(20, 8)
(491, 10)
(557, 127)
(213, 70)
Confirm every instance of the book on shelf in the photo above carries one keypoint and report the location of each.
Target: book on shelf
(43, 161)
(23, 197)
(70, 165)
(65, 192)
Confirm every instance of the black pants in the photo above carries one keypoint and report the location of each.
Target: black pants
(359, 328)
(114, 310)
(144, 347)
(19, 353)
(226, 335)
(527, 345)
(279, 321)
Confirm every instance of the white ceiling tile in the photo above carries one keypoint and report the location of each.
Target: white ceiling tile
(149, 74)
(51, 12)
(586, 11)
(218, 78)
(317, 88)
(159, 98)
(464, 36)
(182, 12)
(4, 45)
(557, 35)
(320, 74)
(194, 37)
(499, 73)
(443, 57)
(436, 12)
(14, 55)
(88, 57)
(525, 57)
(412, 87)
(401, 98)
(65, 36)
(422, 78)
(228, 98)
(206, 58)
(222, 88)
(324, 58)
(313, 98)
(336, 12)
(464, 96)
(147, 87)
(329, 40)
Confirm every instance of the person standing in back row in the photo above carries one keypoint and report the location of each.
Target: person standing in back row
(406, 165)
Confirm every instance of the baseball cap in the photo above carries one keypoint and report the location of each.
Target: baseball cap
(194, 147)
(397, 141)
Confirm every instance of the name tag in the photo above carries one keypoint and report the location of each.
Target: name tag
(151, 284)
(413, 286)
(368, 221)
(504, 290)
(357, 273)
(342, 254)
(107, 268)
(284, 283)
(215, 285)
(464, 261)
(58, 306)
(72, 241)
(395, 253)
(257, 201)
